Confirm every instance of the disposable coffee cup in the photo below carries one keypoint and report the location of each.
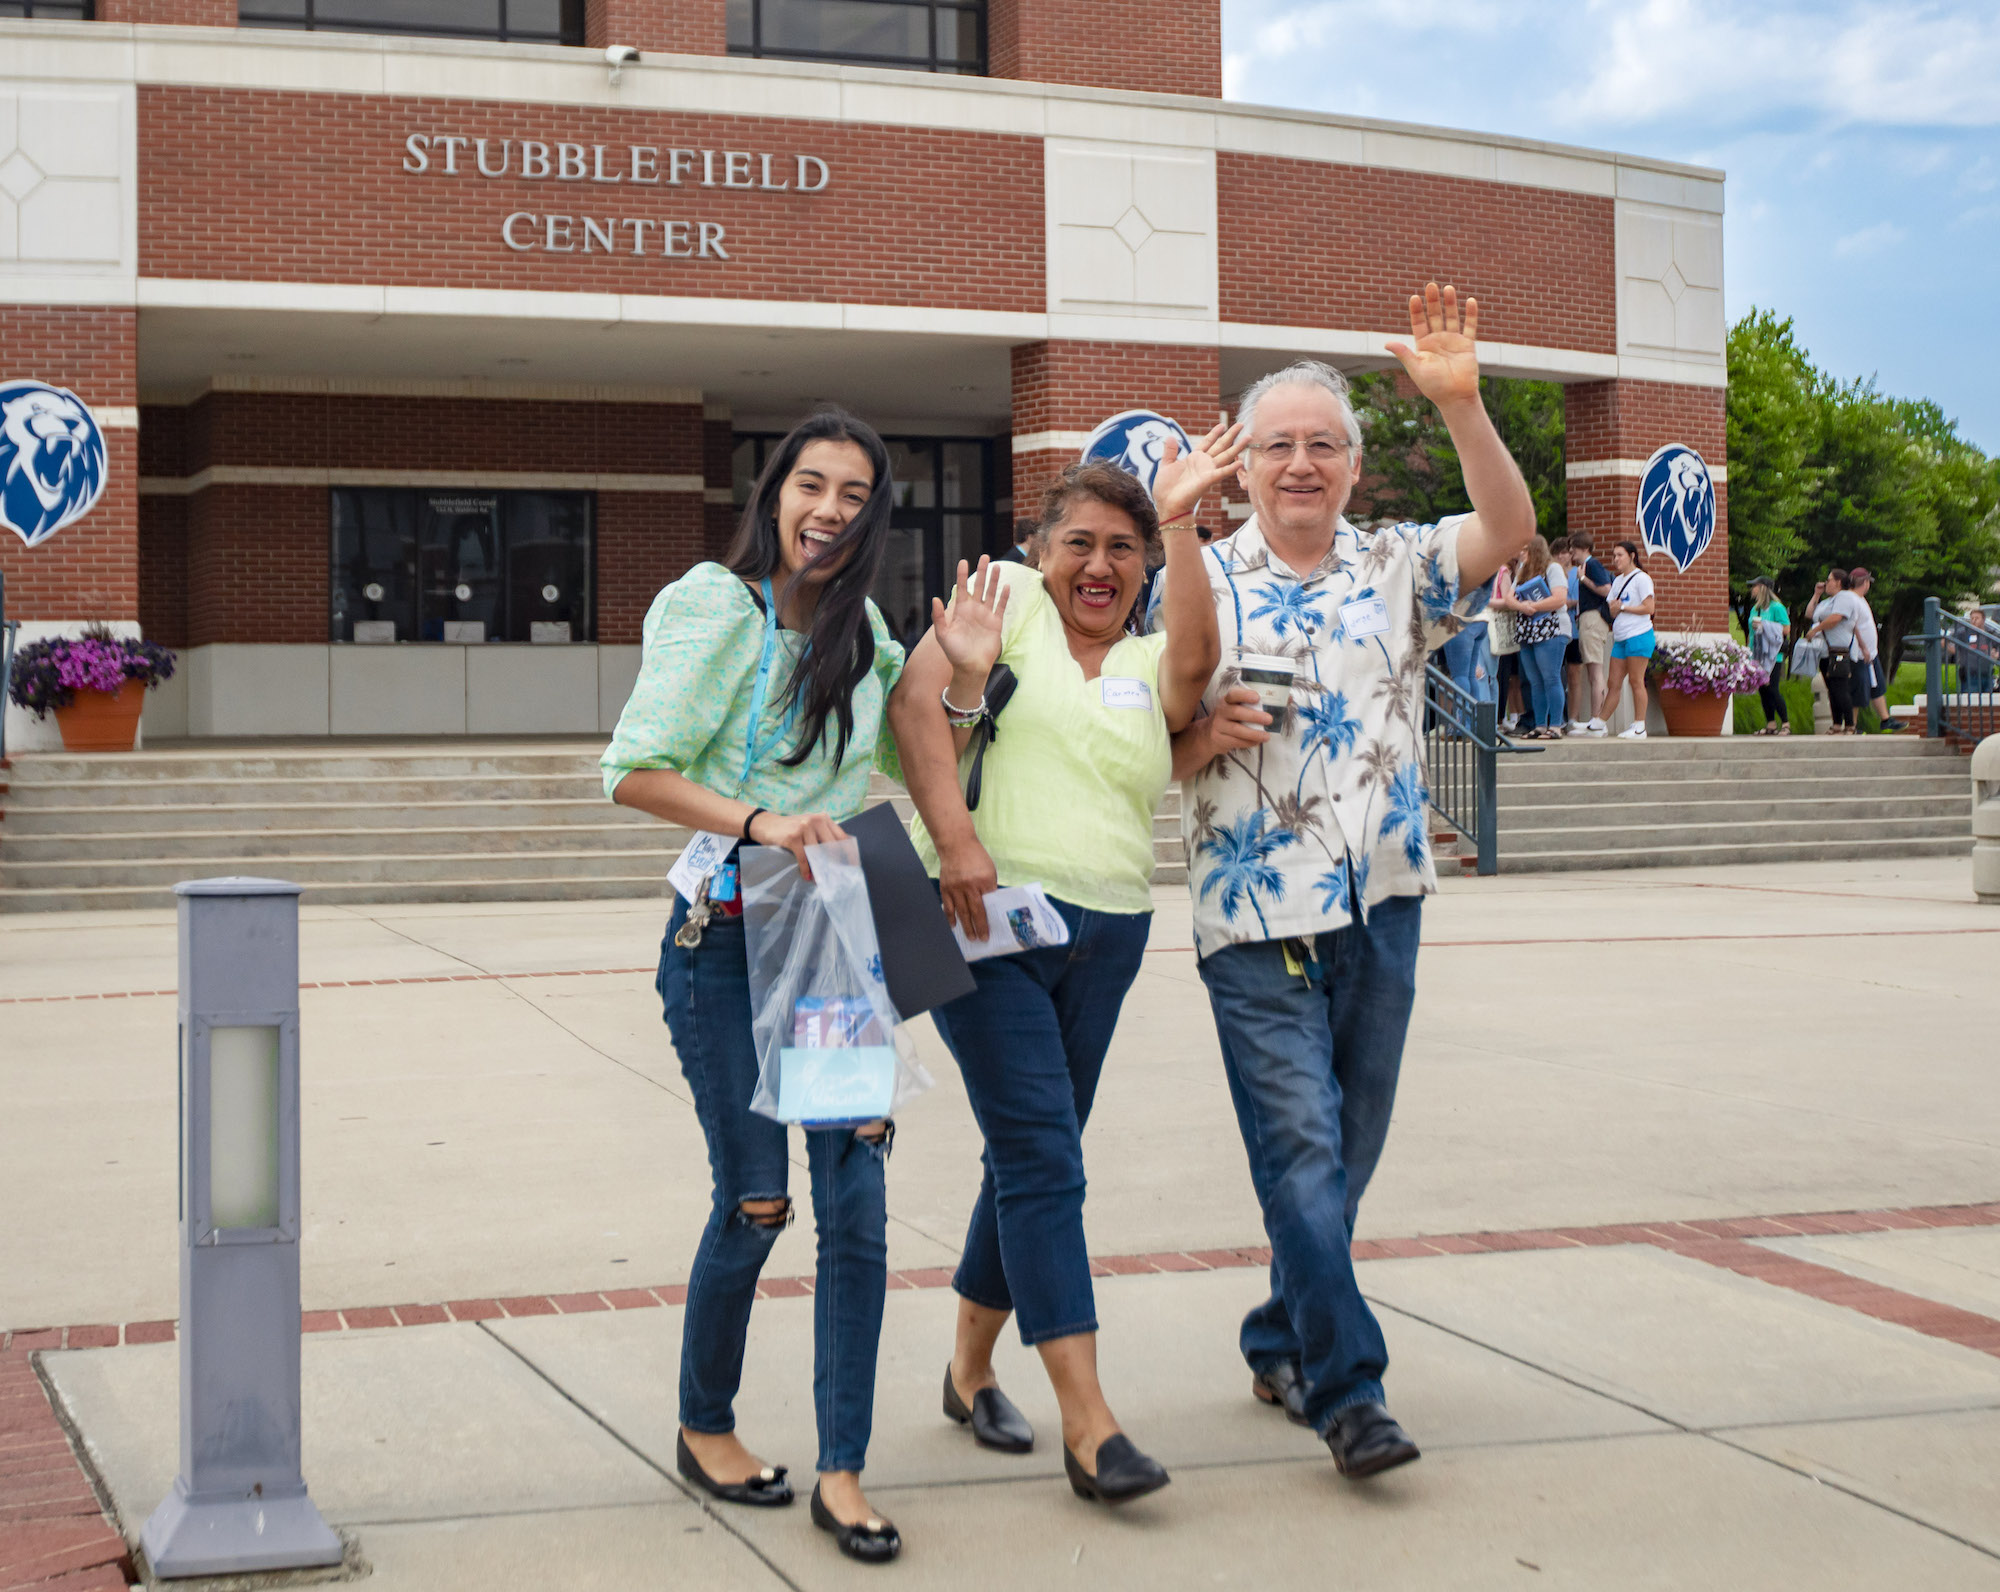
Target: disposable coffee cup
(1271, 678)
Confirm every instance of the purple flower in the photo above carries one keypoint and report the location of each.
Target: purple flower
(1707, 668)
(48, 674)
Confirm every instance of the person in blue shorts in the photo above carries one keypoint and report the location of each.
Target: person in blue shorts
(1630, 601)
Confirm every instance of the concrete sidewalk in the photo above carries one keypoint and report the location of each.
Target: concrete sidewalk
(1740, 1402)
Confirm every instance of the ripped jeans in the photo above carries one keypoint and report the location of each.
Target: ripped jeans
(706, 993)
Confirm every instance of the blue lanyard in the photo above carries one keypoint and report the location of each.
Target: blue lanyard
(754, 751)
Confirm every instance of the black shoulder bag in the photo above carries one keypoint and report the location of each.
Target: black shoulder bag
(999, 690)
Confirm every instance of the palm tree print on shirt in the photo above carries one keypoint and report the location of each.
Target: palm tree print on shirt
(1288, 607)
(1242, 870)
(1407, 814)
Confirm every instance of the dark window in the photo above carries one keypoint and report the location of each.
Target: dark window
(517, 21)
(943, 512)
(929, 35)
(57, 10)
(430, 566)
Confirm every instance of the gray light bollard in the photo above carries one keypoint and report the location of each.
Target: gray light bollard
(1986, 819)
(239, 1502)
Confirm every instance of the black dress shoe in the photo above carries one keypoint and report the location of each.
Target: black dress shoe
(1123, 1473)
(768, 1489)
(1284, 1386)
(1365, 1440)
(872, 1542)
(994, 1421)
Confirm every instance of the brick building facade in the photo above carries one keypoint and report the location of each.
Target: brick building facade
(416, 317)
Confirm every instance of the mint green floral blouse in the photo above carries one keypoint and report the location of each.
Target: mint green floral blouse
(690, 710)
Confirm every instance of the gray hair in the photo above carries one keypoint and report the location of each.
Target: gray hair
(1301, 373)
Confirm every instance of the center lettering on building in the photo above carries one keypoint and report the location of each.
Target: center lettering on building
(613, 165)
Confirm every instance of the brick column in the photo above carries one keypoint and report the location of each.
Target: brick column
(718, 447)
(1063, 390)
(681, 27)
(1611, 429)
(1122, 44)
(88, 570)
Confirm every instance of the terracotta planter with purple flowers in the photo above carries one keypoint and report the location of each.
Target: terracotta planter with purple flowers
(95, 684)
(102, 721)
(1695, 678)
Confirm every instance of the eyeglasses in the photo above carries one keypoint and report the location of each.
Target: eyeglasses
(1319, 450)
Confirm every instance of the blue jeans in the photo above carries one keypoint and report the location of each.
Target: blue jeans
(1542, 662)
(1312, 1061)
(706, 993)
(1468, 660)
(1030, 1044)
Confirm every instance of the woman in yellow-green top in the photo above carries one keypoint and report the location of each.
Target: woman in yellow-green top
(756, 718)
(1069, 788)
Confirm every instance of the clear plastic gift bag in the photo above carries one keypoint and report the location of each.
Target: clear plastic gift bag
(831, 1049)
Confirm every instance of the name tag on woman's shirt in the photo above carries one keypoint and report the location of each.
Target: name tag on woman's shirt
(1126, 693)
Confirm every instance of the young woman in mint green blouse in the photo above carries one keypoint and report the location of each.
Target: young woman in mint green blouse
(758, 714)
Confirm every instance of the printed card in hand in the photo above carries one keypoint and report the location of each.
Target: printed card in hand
(1018, 918)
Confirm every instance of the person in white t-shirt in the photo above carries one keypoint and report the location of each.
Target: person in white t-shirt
(1630, 601)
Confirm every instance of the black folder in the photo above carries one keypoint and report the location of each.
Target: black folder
(921, 962)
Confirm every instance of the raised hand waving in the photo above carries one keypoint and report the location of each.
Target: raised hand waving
(969, 631)
(1182, 482)
(1445, 362)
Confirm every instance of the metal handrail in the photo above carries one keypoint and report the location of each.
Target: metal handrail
(1971, 712)
(1463, 768)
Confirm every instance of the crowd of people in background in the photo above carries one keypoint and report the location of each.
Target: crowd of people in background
(1562, 637)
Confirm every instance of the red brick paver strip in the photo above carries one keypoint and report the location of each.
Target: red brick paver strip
(53, 1535)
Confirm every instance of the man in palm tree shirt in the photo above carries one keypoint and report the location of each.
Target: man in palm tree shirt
(1308, 847)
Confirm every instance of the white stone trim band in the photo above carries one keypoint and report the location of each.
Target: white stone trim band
(1051, 441)
(1598, 469)
(117, 417)
(475, 480)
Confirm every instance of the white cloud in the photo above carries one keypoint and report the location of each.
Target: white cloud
(1870, 240)
(1881, 63)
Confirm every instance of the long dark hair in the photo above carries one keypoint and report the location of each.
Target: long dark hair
(840, 645)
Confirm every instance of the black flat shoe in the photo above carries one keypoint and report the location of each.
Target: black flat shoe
(994, 1421)
(1123, 1473)
(768, 1489)
(1283, 1386)
(1366, 1440)
(872, 1542)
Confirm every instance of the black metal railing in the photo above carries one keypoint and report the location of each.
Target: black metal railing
(1962, 703)
(1462, 747)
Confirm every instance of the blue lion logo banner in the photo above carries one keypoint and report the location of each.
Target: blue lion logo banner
(1135, 441)
(52, 460)
(1677, 504)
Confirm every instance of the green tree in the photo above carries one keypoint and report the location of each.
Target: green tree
(1775, 411)
(1411, 471)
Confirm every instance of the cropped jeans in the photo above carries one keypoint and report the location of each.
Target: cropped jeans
(1030, 1044)
(706, 993)
(1542, 662)
(1312, 1059)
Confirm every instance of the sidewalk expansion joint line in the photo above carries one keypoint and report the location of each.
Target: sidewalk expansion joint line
(644, 1458)
(1703, 1433)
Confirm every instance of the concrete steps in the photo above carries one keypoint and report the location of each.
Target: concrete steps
(378, 822)
(1683, 803)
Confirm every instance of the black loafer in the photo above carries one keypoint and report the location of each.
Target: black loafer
(768, 1489)
(872, 1542)
(1123, 1473)
(1284, 1386)
(1366, 1440)
(994, 1421)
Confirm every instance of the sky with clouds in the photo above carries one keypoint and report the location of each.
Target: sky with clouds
(1862, 142)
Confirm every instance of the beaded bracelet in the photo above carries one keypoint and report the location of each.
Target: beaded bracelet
(961, 718)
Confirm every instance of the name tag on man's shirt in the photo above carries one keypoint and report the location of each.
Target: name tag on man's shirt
(1126, 693)
(1365, 616)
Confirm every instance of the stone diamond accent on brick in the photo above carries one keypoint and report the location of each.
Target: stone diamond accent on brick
(1133, 229)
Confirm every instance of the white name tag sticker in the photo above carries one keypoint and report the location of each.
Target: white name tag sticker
(1365, 616)
(1126, 693)
(699, 858)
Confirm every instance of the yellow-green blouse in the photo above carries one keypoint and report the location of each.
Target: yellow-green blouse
(1071, 783)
